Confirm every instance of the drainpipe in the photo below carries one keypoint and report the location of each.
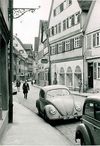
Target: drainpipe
(10, 113)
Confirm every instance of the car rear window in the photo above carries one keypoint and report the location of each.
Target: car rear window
(57, 93)
(89, 109)
(97, 111)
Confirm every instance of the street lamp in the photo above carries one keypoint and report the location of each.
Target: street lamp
(14, 13)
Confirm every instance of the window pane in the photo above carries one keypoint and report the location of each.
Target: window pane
(97, 111)
(89, 109)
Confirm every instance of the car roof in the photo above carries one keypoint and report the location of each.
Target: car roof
(51, 87)
(94, 97)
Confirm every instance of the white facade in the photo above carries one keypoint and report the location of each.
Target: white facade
(92, 52)
(66, 42)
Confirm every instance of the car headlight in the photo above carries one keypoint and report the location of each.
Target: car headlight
(78, 108)
(52, 110)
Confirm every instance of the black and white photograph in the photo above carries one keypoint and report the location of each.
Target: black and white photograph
(49, 72)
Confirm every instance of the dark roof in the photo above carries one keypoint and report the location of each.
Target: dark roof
(85, 4)
(28, 46)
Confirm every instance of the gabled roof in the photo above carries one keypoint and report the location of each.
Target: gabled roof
(24, 54)
(85, 4)
(42, 28)
(89, 14)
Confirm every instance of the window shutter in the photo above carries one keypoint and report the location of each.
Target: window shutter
(95, 70)
(89, 41)
(56, 49)
(81, 41)
(67, 23)
(94, 40)
(71, 44)
(63, 46)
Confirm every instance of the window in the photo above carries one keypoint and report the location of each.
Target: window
(96, 39)
(77, 17)
(89, 41)
(56, 48)
(56, 29)
(69, 21)
(95, 70)
(63, 46)
(98, 70)
(72, 20)
(59, 27)
(77, 42)
(52, 30)
(64, 24)
(60, 48)
(61, 7)
(52, 50)
(97, 111)
(67, 46)
(89, 109)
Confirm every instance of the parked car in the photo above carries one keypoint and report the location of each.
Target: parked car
(56, 102)
(14, 89)
(88, 132)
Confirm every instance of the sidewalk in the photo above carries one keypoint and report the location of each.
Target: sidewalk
(28, 129)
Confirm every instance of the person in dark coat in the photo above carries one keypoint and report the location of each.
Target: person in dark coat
(25, 89)
(18, 83)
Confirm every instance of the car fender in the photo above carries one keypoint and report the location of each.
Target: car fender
(81, 130)
(47, 111)
(37, 103)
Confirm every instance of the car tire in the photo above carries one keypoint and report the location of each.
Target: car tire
(82, 141)
(39, 113)
(46, 118)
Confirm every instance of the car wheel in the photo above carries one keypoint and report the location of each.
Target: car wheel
(82, 141)
(46, 118)
(39, 113)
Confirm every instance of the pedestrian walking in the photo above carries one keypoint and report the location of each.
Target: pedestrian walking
(32, 82)
(18, 83)
(25, 89)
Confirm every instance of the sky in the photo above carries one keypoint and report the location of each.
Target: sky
(26, 27)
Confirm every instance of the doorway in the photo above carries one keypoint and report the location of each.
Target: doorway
(90, 75)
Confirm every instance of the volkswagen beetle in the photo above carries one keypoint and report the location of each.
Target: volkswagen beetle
(88, 131)
(56, 102)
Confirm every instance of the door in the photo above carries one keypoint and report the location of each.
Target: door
(90, 75)
(96, 126)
